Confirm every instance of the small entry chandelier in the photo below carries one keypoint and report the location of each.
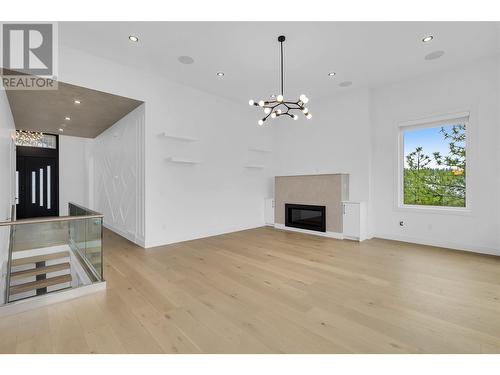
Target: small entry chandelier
(278, 106)
(28, 137)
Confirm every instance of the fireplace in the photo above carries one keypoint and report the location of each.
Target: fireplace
(305, 217)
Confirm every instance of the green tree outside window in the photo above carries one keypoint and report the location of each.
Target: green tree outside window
(436, 177)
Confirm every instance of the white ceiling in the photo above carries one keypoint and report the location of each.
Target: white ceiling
(367, 53)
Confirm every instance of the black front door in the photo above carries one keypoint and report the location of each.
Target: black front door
(37, 182)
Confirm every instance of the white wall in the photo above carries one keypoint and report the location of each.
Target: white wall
(7, 162)
(335, 140)
(473, 88)
(74, 172)
(118, 160)
(217, 195)
(357, 133)
(184, 202)
(498, 142)
(353, 133)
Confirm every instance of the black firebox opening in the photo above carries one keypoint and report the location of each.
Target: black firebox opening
(305, 217)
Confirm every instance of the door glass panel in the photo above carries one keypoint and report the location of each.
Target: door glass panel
(41, 187)
(17, 187)
(49, 192)
(33, 187)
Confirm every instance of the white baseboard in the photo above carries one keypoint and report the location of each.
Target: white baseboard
(444, 244)
(129, 236)
(338, 236)
(50, 298)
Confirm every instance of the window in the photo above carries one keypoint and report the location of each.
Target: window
(433, 164)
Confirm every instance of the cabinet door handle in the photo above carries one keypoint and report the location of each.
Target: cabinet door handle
(343, 207)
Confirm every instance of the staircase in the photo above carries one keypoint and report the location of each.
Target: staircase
(49, 254)
(93, 255)
(32, 275)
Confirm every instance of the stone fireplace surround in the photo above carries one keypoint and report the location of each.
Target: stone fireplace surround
(327, 190)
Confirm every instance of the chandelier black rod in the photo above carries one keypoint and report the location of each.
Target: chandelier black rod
(281, 39)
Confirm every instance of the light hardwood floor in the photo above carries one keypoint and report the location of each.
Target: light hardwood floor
(271, 291)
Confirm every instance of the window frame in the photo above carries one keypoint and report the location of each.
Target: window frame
(433, 122)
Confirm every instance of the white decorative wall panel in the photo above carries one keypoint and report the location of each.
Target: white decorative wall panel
(119, 176)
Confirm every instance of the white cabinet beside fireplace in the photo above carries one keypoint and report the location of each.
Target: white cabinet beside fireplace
(269, 211)
(354, 220)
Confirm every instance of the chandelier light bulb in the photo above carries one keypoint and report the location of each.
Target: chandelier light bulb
(308, 116)
(304, 99)
(261, 103)
(273, 115)
(305, 110)
(260, 122)
(279, 98)
(251, 102)
(295, 117)
(278, 111)
(267, 110)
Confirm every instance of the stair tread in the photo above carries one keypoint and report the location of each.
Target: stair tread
(39, 258)
(26, 287)
(39, 270)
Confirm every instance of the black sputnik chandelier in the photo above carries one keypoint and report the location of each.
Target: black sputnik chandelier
(278, 106)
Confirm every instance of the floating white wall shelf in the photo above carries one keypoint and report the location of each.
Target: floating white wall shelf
(254, 166)
(179, 137)
(175, 159)
(253, 149)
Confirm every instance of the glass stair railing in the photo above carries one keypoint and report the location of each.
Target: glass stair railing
(52, 254)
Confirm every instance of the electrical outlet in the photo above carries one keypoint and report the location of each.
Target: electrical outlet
(401, 223)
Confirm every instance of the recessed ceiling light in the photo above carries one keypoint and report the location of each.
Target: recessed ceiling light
(220, 74)
(186, 60)
(428, 38)
(77, 101)
(345, 84)
(67, 118)
(133, 38)
(434, 55)
(331, 74)
(61, 130)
